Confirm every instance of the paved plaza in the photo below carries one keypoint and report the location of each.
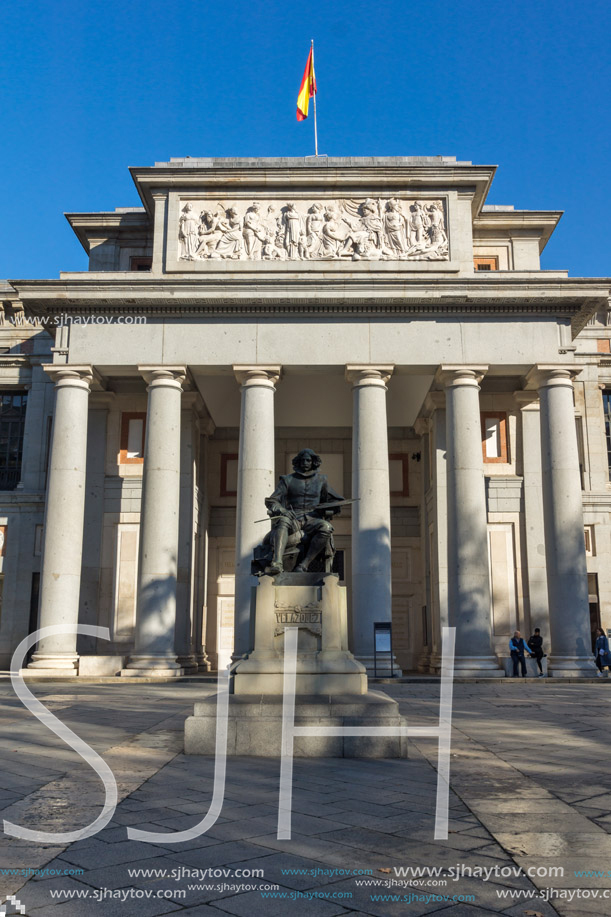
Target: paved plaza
(531, 787)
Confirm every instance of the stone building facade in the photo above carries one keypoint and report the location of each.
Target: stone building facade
(375, 310)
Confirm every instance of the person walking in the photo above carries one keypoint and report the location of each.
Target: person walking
(517, 648)
(535, 645)
(601, 649)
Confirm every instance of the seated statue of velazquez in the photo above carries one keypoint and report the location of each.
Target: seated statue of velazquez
(302, 535)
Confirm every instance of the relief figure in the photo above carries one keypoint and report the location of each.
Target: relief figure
(395, 228)
(230, 243)
(209, 233)
(315, 221)
(293, 226)
(188, 232)
(253, 232)
(333, 234)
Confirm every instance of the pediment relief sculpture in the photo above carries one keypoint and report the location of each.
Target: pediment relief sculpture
(358, 230)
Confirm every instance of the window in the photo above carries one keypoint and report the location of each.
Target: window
(486, 264)
(229, 474)
(12, 424)
(588, 534)
(494, 436)
(140, 264)
(398, 471)
(607, 410)
(132, 438)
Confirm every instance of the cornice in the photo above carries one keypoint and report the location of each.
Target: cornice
(539, 222)
(86, 225)
(355, 176)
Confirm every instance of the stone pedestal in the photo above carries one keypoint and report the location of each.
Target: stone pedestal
(330, 684)
(255, 726)
(316, 603)
(532, 669)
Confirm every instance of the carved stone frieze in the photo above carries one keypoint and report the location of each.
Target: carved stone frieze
(358, 230)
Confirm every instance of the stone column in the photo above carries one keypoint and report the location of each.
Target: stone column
(567, 582)
(91, 569)
(154, 650)
(528, 403)
(435, 531)
(371, 565)
(64, 519)
(469, 595)
(206, 428)
(186, 599)
(255, 483)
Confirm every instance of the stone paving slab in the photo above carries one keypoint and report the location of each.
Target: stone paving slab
(521, 794)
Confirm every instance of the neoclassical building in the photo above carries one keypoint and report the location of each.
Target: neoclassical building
(376, 310)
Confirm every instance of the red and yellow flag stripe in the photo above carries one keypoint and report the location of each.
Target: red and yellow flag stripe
(307, 88)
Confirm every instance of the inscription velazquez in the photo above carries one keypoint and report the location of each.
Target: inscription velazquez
(308, 616)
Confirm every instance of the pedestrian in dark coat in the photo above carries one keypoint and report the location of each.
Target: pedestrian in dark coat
(601, 649)
(535, 645)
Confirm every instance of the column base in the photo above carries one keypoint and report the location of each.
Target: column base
(476, 667)
(424, 663)
(188, 664)
(203, 663)
(383, 667)
(58, 665)
(152, 666)
(572, 667)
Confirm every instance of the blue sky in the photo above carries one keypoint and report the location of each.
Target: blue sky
(89, 89)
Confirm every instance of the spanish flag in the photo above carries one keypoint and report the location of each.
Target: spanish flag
(307, 88)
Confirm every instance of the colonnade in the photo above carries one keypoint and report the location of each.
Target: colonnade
(469, 601)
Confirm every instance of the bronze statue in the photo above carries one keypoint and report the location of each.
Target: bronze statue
(301, 534)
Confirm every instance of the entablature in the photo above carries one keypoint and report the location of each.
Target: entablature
(370, 293)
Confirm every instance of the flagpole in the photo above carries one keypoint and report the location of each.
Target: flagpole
(315, 126)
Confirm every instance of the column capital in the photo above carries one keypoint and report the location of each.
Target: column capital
(546, 374)
(66, 375)
(170, 376)
(369, 373)
(451, 374)
(251, 374)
